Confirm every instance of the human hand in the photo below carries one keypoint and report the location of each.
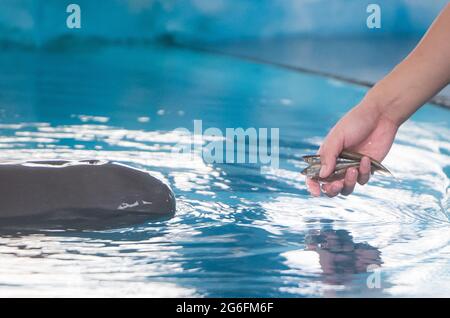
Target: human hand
(370, 127)
(365, 130)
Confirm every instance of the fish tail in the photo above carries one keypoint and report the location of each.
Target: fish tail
(385, 171)
(378, 165)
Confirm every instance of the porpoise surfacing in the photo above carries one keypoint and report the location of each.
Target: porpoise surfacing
(86, 193)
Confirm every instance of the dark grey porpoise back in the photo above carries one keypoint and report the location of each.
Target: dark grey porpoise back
(91, 190)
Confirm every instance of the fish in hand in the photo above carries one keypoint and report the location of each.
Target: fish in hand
(347, 159)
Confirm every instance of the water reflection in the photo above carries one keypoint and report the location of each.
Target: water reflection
(339, 256)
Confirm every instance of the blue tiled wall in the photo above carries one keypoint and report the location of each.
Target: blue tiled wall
(37, 21)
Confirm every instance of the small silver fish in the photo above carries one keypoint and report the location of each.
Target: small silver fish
(346, 159)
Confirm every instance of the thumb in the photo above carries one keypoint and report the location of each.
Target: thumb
(329, 151)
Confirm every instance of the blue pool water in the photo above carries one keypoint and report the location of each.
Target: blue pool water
(240, 230)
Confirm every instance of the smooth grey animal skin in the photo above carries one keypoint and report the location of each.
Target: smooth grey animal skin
(87, 193)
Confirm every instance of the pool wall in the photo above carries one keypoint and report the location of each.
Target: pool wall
(35, 22)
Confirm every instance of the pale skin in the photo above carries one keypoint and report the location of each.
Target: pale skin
(370, 127)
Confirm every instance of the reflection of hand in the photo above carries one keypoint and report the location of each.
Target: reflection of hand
(365, 130)
(366, 255)
(340, 256)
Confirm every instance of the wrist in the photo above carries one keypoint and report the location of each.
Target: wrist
(385, 104)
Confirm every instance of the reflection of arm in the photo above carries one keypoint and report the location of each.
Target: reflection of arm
(420, 76)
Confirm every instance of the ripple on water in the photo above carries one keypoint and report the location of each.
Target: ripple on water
(216, 224)
(239, 230)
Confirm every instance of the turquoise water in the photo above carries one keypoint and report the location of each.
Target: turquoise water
(240, 229)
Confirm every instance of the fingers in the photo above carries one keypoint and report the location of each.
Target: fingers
(345, 186)
(329, 151)
(351, 177)
(313, 187)
(333, 189)
(364, 171)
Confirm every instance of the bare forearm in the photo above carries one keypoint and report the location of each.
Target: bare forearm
(371, 126)
(419, 77)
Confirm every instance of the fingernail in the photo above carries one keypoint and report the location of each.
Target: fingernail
(323, 171)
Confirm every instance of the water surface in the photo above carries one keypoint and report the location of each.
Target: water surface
(240, 230)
